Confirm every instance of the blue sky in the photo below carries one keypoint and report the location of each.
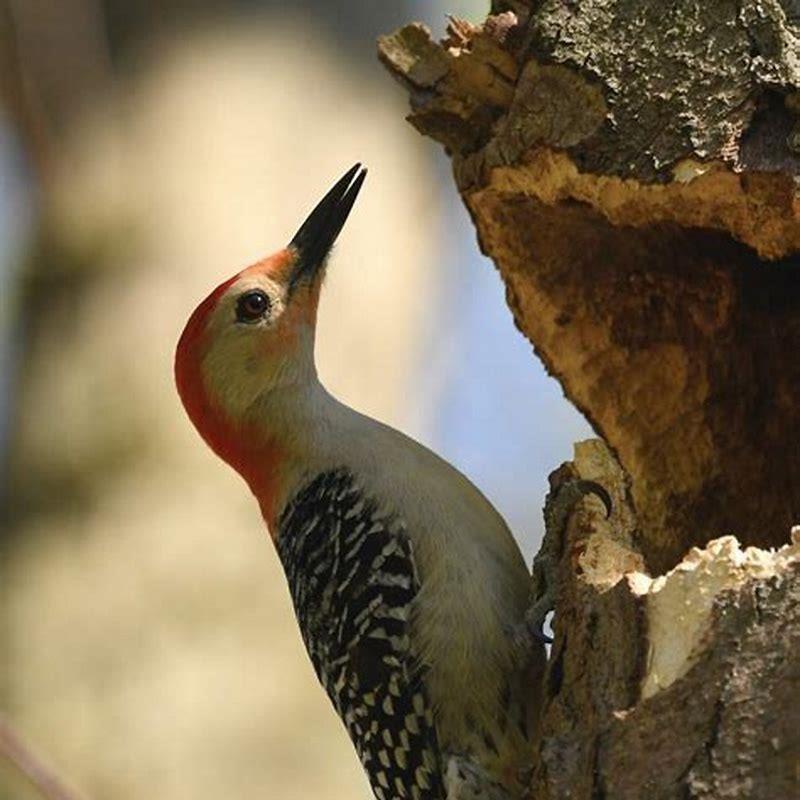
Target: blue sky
(15, 219)
(501, 418)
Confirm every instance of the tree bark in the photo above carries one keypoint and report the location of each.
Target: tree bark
(632, 168)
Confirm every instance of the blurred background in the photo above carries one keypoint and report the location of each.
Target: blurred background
(148, 150)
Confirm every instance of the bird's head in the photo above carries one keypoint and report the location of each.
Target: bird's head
(253, 335)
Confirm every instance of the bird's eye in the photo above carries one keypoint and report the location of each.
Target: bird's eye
(252, 306)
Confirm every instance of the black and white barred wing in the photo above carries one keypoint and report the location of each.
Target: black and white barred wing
(353, 580)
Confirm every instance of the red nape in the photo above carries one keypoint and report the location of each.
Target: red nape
(249, 451)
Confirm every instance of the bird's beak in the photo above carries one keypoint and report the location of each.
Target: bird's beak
(314, 240)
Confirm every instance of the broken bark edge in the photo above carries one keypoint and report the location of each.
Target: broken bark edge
(682, 685)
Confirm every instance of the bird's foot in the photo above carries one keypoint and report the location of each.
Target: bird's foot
(560, 503)
(465, 779)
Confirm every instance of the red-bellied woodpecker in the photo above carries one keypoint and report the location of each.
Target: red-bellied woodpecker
(406, 582)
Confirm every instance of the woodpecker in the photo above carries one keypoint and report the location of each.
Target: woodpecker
(406, 583)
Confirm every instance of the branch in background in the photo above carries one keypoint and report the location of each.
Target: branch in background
(17, 752)
(50, 63)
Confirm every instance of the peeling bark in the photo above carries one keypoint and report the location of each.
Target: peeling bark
(681, 686)
(633, 169)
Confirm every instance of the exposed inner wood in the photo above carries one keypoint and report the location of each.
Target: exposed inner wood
(662, 290)
(633, 170)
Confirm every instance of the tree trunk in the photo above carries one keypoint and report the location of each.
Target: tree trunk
(632, 168)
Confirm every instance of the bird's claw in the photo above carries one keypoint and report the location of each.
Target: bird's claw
(535, 622)
(544, 597)
(592, 487)
(558, 507)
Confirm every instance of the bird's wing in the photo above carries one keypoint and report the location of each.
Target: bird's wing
(353, 581)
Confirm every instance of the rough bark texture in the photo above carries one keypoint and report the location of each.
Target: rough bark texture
(632, 168)
(684, 686)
